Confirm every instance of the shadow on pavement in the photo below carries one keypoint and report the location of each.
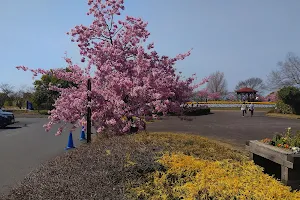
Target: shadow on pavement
(11, 127)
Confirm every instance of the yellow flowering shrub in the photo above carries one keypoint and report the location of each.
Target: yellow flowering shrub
(190, 144)
(230, 102)
(189, 178)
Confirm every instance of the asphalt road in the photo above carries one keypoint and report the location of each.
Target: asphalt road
(25, 145)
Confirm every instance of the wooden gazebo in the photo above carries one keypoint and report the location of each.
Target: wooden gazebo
(247, 94)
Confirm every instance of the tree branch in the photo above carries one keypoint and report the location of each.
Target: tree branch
(111, 21)
(99, 38)
(118, 31)
(110, 38)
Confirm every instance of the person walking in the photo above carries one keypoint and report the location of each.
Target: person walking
(244, 108)
(251, 108)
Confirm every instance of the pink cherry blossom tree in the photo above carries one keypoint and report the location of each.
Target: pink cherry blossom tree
(128, 76)
(231, 97)
(205, 94)
(273, 97)
(214, 96)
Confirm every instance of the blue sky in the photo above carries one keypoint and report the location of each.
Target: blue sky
(240, 38)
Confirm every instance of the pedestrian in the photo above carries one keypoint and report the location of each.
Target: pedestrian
(244, 108)
(251, 108)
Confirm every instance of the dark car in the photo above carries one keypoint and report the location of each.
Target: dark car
(4, 121)
(9, 115)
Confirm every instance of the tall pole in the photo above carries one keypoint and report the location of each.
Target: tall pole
(89, 115)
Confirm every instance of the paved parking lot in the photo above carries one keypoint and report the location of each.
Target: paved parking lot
(228, 126)
(25, 145)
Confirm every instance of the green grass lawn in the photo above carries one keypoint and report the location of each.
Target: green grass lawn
(32, 113)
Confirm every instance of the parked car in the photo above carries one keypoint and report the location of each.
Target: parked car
(4, 121)
(9, 115)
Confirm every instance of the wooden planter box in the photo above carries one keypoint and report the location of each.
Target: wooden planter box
(282, 163)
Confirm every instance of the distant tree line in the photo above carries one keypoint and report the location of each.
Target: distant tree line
(10, 97)
(286, 75)
(40, 96)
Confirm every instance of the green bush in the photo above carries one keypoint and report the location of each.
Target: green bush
(196, 111)
(160, 114)
(8, 103)
(192, 111)
(172, 114)
(291, 96)
(283, 108)
(44, 112)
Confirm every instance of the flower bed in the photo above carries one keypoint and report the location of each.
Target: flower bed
(282, 149)
(282, 163)
(187, 177)
(228, 105)
(288, 140)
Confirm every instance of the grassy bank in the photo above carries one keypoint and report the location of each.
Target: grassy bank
(287, 116)
(150, 166)
(26, 112)
(20, 113)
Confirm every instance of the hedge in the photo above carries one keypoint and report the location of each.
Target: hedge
(196, 111)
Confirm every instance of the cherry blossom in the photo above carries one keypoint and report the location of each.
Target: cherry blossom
(272, 97)
(205, 94)
(129, 78)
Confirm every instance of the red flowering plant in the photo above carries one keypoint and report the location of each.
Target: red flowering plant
(128, 75)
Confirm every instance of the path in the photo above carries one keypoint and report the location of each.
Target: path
(25, 147)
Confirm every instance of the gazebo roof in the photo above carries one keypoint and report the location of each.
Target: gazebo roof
(246, 90)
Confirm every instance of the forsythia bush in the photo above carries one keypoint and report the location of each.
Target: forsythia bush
(189, 178)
